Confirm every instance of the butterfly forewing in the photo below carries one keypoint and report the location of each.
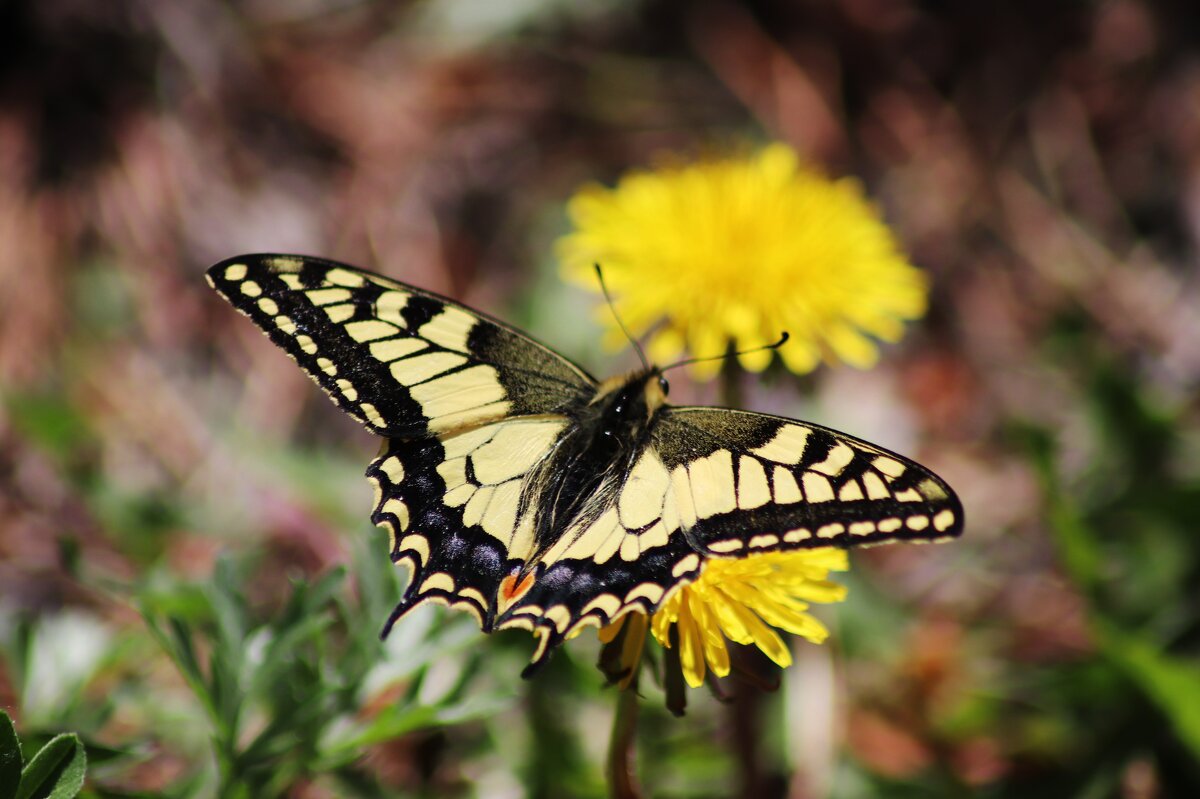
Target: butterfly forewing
(763, 483)
(403, 361)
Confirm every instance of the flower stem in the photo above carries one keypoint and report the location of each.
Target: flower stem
(622, 783)
(745, 719)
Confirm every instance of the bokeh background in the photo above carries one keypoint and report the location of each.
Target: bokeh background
(187, 575)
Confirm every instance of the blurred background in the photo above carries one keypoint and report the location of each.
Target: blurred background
(187, 574)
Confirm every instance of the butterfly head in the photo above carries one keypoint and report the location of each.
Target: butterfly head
(633, 395)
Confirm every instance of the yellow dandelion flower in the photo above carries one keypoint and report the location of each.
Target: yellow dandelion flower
(738, 249)
(743, 600)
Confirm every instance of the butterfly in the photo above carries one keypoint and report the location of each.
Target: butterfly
(519, 488)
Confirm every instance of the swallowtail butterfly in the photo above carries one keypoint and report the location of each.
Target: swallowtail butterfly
(521, 489)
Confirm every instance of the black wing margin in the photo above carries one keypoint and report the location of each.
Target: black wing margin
(403, 361)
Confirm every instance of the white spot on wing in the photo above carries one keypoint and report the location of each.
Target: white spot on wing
(875, 487)
(643, 495)
(460, 444)
(786, 447)
(655, 536)
(689, 563)
(396, 348)
(817, 488)
(420, 368)
(397, 508)
(393, 468)
(712, 484)
(943, 520)
(339, 313)
(889, 466)
(515, 449)
(344, 277)
(831, 530)
(390, 305)
(459, 392)
(459, 496)
(838, 459)
(752, 488)
(370, 329)
(417, 543)
(851, 491)
(449, 329)
(500, 520)
(730, 545)
(453, 472)
(322, 297)
(786, 490)
(681, 489)
(477, 506)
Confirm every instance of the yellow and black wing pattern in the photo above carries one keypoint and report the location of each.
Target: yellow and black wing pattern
(468, 405)
(518, 488)
(719, 483)
(403, 361)
(759, 483)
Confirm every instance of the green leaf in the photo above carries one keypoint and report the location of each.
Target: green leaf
(395, 721)
(1172, 683)
(10, 758)
(56, 772)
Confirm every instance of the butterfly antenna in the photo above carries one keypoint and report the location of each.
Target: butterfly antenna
(782, 340)
(608, 298)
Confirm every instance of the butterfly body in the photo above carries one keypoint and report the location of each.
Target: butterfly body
(581, 474)
(521, 489)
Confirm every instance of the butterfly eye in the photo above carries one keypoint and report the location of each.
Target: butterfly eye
(664, 385)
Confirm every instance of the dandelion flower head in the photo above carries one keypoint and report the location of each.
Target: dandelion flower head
(745, 600)
(737, 249)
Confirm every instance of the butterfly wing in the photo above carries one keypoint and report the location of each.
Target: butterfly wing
(404, 362)
(468, 404)
(452, 504)
(722, 483)
(765, 483)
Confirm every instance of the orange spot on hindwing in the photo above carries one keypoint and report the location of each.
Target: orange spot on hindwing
(511, 590)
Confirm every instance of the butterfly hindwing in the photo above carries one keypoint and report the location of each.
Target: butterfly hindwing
(452, 505)
(403, 361)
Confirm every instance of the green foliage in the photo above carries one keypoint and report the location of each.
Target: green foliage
(1172, 683)
(1126, 538)
(56, 771)
(142, 427)
(283, 696)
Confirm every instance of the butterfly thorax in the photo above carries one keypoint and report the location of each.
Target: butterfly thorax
(580, 477)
